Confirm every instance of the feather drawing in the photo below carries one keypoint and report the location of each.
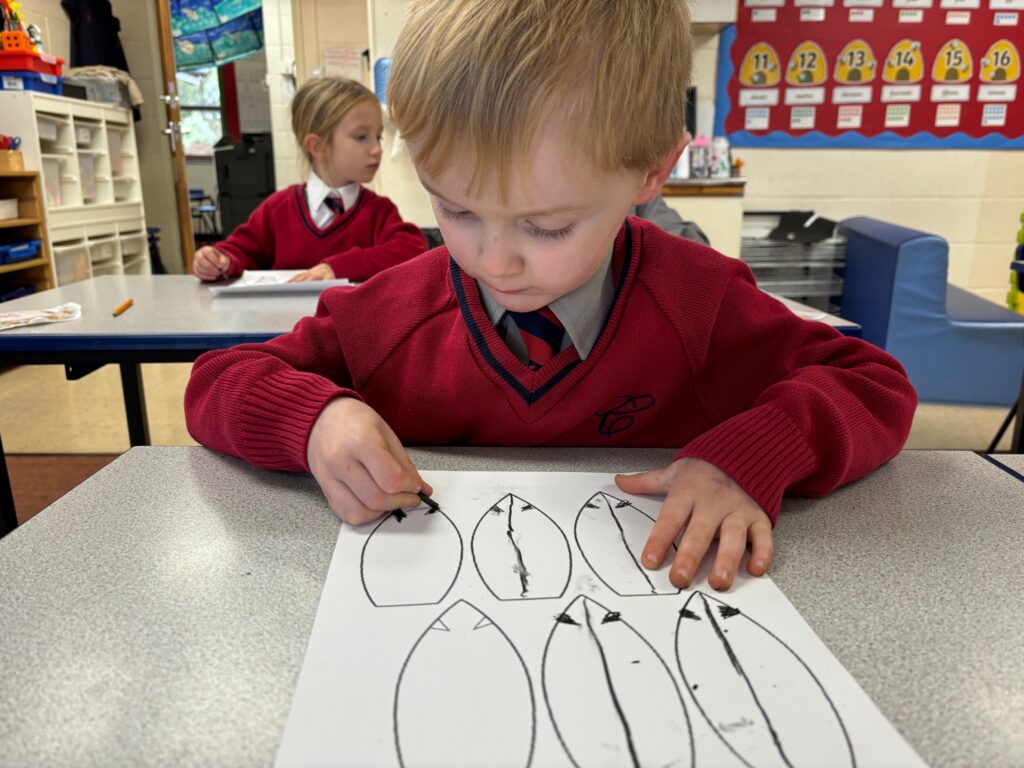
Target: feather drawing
(520, 552)
(429, 547)
(755, 692)
(464, 696)
(612, 699)
(611, 534)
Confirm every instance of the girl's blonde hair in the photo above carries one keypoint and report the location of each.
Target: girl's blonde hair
(321, 103)
(481, 76)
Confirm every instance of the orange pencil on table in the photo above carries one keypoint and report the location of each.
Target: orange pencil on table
(122, 307)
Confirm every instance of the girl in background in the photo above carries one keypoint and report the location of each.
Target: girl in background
(331, 226)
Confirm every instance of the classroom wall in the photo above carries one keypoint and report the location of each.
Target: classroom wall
(971, 198)
(51, 19)
(279, 47)
(253, 94)
(139, 38)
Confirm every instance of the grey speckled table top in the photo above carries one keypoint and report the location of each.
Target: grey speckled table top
(158, 614)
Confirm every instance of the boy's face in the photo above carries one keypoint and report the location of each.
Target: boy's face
(552, 232)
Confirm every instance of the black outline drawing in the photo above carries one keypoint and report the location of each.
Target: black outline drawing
(607, 579)
(411, 581)
(785, 677)
(538, 577)
(628, 705)
(494, 711)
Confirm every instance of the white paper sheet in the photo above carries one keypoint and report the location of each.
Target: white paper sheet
(258, 281)
(515, 627)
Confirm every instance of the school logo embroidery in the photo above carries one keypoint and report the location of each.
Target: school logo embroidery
(620, 414)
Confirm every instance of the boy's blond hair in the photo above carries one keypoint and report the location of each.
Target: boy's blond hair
(321, 103)
(480, 76)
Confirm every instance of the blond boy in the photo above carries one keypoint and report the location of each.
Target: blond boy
(550, 318)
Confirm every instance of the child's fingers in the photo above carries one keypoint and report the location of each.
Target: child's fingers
(399, 452)
(732, 543)
(700, 531)
(345, 505)
(654, 481)
(371, 495)
(675, 511)
(301, 278)
(761, 547)
(388, 472)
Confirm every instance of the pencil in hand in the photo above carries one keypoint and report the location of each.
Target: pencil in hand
(123, 306)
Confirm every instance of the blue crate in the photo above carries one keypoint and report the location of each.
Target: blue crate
(31, 81)
(15, 252)
(16, 292)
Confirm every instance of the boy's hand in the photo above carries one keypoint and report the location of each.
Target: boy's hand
(210, 264)
(362, 468)
(704, 500)
(319, 272)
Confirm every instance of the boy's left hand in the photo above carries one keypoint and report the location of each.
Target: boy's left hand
(319, 272)
(706, 501)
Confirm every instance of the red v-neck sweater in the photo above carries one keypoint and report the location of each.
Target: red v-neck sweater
(693, 355)
(280, 234)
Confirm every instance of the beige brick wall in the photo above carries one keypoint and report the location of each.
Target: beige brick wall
(279, 44)
(51, 19)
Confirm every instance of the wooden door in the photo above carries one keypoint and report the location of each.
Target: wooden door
(172, 106)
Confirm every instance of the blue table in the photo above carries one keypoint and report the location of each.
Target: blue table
(174, 319)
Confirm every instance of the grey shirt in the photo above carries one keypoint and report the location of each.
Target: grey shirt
(659, 212)
(581, 311)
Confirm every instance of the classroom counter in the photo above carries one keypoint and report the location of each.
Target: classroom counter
(158, 614)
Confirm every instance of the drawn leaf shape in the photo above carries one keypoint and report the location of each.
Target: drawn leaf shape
(633, 713)
(611, 534)
(520, 552)
(464, 696)
(755, 692)
(428, 545)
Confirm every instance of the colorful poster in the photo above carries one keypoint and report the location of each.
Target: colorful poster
(919, 74)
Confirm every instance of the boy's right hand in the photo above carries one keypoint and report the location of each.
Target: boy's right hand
(359, 463)
(210, 264)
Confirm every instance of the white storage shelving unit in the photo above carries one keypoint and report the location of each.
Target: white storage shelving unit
(87, 157)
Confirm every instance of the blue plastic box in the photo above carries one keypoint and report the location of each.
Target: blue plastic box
(31, 81)
(15, 252)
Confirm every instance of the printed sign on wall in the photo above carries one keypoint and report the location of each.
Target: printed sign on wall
(920, 74)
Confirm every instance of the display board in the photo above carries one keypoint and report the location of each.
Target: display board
(873, 74)
(214, 32)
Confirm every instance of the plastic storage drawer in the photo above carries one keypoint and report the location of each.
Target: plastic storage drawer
(30, 81)
(15, 252)
(71, 261)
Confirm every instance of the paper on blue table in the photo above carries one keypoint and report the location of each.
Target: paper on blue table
(254, 281)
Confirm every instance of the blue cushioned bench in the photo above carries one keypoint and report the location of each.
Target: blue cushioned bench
(956, 346)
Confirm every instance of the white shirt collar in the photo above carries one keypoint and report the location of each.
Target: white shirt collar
(317, 191)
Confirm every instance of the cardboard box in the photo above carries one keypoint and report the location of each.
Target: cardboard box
(11, 160)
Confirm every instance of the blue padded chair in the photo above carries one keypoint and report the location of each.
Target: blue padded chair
(956, 347)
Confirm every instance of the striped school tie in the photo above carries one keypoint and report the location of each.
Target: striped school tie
(335, 204)
(542, 333)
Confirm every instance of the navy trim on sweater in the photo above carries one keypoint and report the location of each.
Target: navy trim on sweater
(478, 338)
(339, 221)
